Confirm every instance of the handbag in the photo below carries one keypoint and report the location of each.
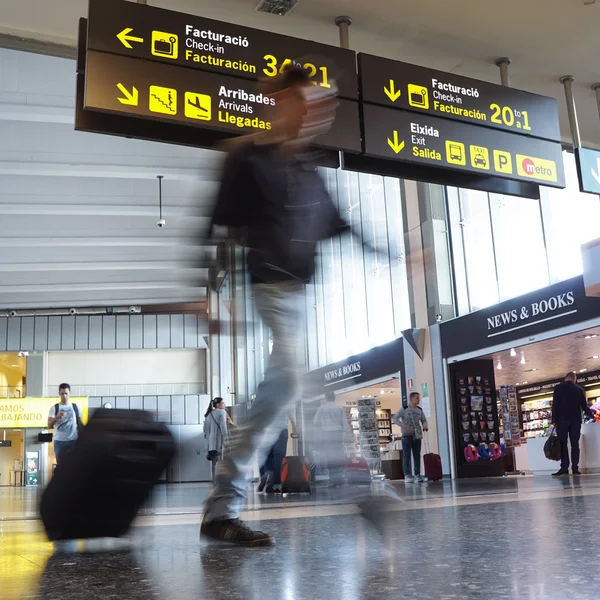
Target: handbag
(552, 446)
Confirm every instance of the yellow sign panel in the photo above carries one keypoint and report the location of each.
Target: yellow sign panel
(32, 413)
(480, 157)
(503, 162)
(536, 168)
(165, 45)
(198, 106)
(163, 100)
(455, 153)
(418, 96)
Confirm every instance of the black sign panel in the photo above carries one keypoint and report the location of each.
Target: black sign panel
(174, 38)
(168, 93)
(426, 91)
(378, 362)
(558, 305)
(442, 143)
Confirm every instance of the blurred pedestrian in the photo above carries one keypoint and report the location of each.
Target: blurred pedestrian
(333, 430)
(270, 472)
(215, 432)
(272, 196)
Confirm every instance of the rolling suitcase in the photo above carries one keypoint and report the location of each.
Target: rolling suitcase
(357, 471)
(433, 464)
(100, 486)
(295, 475)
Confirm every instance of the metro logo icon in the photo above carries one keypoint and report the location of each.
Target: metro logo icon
(536, 168)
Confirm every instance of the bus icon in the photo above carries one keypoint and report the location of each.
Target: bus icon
(456, 153)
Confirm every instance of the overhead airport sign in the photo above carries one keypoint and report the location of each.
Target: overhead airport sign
(588, 169)
(435, 142)
(436, 93)
(164, 92)
(140, 31)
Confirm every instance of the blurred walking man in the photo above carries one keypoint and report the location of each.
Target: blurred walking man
(273, 194)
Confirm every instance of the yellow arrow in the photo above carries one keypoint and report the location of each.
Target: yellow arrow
(391, 94)
(395, 145)
(130, 97)
(125, 38)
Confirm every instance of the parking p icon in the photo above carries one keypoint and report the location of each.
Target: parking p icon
(503, 162)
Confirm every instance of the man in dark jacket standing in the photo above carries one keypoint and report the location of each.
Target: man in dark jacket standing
(567, 405)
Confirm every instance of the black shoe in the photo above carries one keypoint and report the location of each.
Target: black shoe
(561, 473)
(576, 472)
(265, 482)
(236, 532)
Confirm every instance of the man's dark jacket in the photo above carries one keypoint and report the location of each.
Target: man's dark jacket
(568, 403)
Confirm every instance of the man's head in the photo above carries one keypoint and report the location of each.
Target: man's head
(330, 397)
(302, 110)
(414, 399)
(64, 391)
(571, 377)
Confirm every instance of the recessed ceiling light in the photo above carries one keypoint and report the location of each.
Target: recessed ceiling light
(513, 352)
(595, 356)
(499, 367)
(582, 370)
(523, 361)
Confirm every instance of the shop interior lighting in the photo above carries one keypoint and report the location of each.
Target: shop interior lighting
(589, 336)
(523, 361)
(513, 352)
(595, 356)
(499, 366)
(582, 370)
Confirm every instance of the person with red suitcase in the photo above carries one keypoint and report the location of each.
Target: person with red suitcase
(413, 423)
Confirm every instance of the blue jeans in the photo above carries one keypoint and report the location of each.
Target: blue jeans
(280, 307)
(275, 458)
(62, 448)
(411, 446)
(569, 431)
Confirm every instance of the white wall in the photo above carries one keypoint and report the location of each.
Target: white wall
(153, 371)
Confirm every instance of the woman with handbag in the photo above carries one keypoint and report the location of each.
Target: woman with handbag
(215, 431)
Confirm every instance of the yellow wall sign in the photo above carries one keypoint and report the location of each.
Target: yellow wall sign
(32, 413)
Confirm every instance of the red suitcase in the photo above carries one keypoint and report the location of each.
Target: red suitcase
(433, 466)
(357, 471)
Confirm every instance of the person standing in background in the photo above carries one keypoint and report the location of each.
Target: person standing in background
(568, 402)
(331, 421)
(270, 472)
(65, 419)
(215, 432)
(413, 423)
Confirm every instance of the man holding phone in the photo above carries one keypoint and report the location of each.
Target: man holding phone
(65, 419)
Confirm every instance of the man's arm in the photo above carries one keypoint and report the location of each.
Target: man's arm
(424, 422)
(555, 401)
(584, 405)
(397, 418)
(52, 419)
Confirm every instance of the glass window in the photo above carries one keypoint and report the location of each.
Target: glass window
(571, 219)
(519, 245)
(478, 248)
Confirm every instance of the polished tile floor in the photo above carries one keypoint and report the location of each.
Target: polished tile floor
(496, 539)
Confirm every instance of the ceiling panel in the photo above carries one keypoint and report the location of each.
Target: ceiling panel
(549, 359)
(79, 212)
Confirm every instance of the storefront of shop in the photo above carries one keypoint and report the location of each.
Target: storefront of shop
(371, 382)
(502, 364)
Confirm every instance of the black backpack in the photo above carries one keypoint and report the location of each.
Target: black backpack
(282, 209)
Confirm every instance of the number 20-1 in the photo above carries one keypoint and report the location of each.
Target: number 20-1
(271, 70)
